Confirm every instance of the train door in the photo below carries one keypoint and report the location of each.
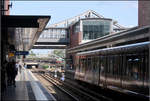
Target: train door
(113, 70)
(88, 70)
(117, 70)
(146, 75)
(82, 69)
(91, 70)
(95, 70)
(109, 70)
(134, 75)
(103, 67)
(77, 68)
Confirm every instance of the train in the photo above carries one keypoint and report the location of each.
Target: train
(121, 68)
(29, 65)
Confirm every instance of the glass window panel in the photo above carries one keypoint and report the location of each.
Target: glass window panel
(96, 28)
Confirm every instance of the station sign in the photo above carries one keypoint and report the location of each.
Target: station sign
(21, 53)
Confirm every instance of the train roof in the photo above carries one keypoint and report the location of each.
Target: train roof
(138, 47)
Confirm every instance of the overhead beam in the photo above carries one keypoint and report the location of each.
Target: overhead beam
(49, 47)
(51, 43)
(21, 21)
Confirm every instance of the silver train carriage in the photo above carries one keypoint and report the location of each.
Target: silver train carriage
(124, 68)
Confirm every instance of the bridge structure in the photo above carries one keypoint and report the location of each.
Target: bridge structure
(53, 38)
(56, 36)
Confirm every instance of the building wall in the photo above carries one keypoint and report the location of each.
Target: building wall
(75, 38)
(3, 44)
(6, 7)
(4, 31)
(143, 13)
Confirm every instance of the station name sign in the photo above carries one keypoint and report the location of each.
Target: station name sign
(21, 53)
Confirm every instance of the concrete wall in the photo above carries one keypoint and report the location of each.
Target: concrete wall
(143, 13)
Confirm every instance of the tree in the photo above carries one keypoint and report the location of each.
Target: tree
(59, 53)
(32, 54)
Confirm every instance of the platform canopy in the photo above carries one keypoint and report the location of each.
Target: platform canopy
(24, 30)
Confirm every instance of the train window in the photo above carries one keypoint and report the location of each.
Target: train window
(116, 64)
(92, 64)
(96, 70)
(84, 65)
(78, 69)
(110, 65)
(134, 67)
(103, 65)
(89, 64)
(95, 63)
(102, 70)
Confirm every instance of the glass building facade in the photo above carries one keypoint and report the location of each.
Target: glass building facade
(93, 29)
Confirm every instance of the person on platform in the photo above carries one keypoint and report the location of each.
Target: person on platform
(18, 67)
(14, 71)
(25, 66)
(8, 71)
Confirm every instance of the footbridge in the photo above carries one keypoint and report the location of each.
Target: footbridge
(56, 36)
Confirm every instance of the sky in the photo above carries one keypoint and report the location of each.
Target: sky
(124, 12)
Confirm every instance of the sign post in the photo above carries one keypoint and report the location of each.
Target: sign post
(21, 53)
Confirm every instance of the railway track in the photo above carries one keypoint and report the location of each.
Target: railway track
(58, 92)
(83, 89)
(74, 83)
(77, 93)
(57, 84)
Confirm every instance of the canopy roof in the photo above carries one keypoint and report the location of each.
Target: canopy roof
(23, 31)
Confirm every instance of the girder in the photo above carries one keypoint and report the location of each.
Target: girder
(48, 47)
(87, 14)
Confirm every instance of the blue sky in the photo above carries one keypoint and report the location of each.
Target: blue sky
(125, 12)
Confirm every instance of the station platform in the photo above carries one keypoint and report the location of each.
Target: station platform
(27, 88)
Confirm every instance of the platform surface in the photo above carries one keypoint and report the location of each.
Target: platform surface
(27, 88)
